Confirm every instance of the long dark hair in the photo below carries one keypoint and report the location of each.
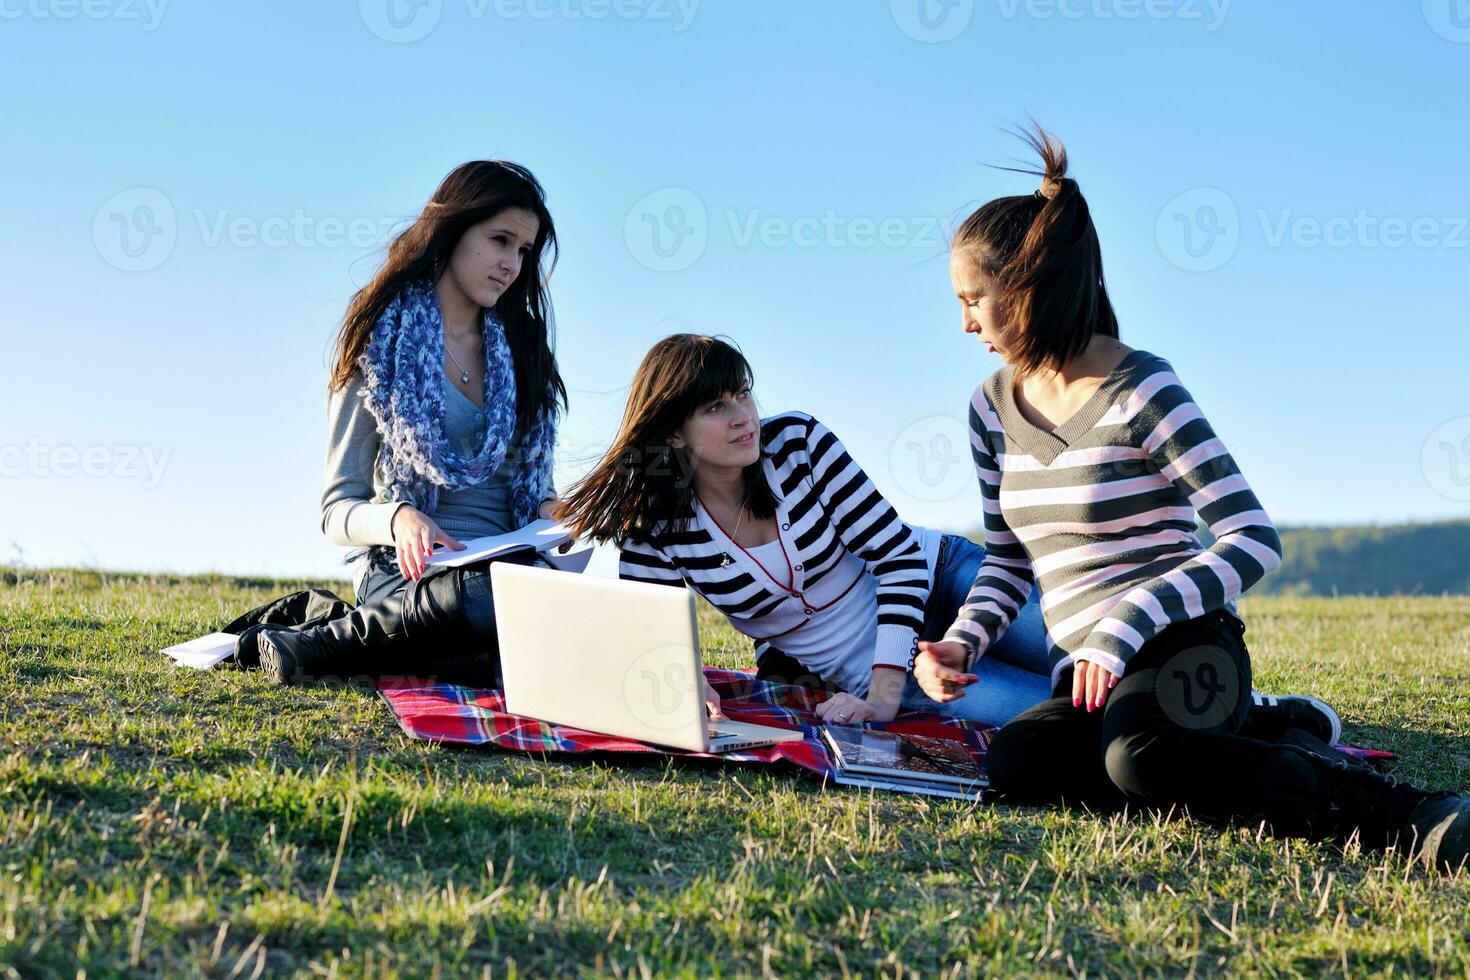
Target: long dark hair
(473, 192)
(1042, 250)
(642, 484)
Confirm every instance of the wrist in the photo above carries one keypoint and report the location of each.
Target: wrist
(971, 647)
(885, 690)
(393, 519)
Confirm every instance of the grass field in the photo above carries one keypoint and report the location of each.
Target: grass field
(155, 820)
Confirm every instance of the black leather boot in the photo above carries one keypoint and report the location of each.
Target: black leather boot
(299, 610)
(1439, 829)
(247, 647)
(1313, 790)
(404, 632)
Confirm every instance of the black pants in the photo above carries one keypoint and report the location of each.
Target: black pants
(1168, 734)
(385, 578)
(476, 664)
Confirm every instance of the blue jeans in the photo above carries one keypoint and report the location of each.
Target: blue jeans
(1015, 672)
(383, 577)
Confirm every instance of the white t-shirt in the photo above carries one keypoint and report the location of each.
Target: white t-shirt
(838, 641)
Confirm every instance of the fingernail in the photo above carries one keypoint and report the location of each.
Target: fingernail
(1089, 707)
(1076, 702)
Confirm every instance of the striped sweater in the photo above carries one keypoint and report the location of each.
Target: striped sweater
(835, 526)
(1101, 515)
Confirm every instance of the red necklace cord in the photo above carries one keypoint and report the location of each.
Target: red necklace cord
(790, 588)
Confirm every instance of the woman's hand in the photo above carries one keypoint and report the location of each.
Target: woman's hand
(937, 669)
(551, 508)
(414, 537)
(844, 709)
(885, 693)
(1090, 684)
(712, 704)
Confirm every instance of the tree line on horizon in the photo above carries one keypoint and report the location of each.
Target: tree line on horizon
(1401, 559)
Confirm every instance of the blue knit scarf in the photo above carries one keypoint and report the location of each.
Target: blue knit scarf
(403, 370)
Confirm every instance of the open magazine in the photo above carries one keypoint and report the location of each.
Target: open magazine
(904, 763)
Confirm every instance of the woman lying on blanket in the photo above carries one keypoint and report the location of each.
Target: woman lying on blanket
(775, 524)
(1093, 461)
(442, 410)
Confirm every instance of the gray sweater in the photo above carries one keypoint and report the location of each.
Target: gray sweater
(356, 509)
(1100, 513)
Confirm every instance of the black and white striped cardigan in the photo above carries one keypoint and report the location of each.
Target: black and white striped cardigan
(835, 526)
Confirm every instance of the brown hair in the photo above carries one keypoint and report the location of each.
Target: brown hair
(473, 192)
(642, 484)
(1042, 250)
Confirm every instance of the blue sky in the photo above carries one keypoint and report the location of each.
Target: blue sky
(192, 192)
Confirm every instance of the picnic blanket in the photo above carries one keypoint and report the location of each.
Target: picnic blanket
(477, 716)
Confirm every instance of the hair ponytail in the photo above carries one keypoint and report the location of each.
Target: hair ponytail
(1043, 252)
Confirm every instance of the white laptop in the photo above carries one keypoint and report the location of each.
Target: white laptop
(608, 656)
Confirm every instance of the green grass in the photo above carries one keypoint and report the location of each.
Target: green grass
(159, 820)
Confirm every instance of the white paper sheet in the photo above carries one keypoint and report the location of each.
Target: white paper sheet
(543, 535)
(571, 561)
(203, 652)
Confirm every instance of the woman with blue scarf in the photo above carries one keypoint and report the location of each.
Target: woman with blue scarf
(442, 410)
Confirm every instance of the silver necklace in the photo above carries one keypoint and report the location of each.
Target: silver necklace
(725, 560)
(464, 376)
(728, 561)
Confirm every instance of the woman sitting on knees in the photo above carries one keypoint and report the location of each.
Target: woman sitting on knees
(775, 524)
(1093, 462)
(442, 410)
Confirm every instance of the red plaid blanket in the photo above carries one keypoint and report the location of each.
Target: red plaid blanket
(477, 716)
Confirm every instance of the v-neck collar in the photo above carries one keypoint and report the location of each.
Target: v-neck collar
(1047, 444)
(467, 399)
(742, 558)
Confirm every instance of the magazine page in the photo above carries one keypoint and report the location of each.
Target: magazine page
(899, 756)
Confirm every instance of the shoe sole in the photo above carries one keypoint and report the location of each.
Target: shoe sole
(272, 664)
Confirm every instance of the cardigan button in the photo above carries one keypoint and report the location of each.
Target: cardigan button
(797, 567)
(808, 611)
(785, 527)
